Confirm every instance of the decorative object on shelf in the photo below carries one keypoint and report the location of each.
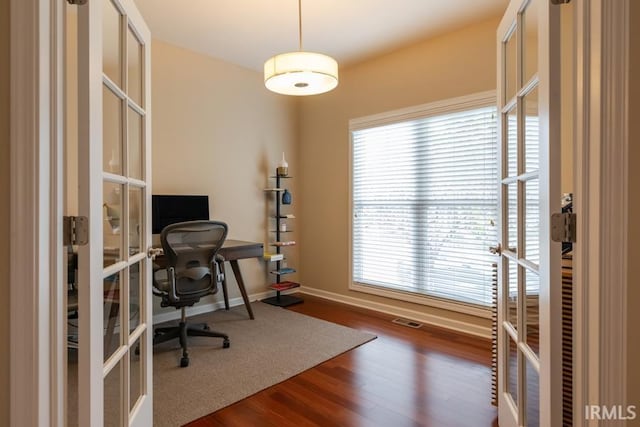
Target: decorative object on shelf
(300, 73)
(289, 243)
(286, 197)
(280, 226)
(283, 168)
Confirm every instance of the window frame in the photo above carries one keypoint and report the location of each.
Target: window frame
(451, 105)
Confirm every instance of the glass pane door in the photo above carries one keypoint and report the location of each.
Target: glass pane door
(114, 177)
(528, 179)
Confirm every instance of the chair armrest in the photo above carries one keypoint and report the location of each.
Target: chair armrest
(171, 275)
(218, 260)
(167, 288)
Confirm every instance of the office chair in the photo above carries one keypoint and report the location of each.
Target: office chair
(192, 272)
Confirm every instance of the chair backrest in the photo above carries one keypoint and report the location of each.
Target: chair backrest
(190, 249)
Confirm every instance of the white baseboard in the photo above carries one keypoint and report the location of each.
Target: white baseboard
(431, 319)
(206, 308)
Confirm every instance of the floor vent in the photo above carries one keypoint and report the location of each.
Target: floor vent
(407, 322)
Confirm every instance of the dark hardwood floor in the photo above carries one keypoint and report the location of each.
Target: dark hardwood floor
(405, 377)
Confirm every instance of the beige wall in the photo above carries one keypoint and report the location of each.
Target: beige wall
(4, 208)
(218, 131)
(201, 105)
(633, 297)
(455, 64)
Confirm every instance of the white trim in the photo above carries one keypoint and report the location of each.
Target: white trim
(146, 404)
(90, 188)
(431, 319)
(213, 306)
(58, 258)
(582, 170)
(439, 321)
(550, 320)
(33, 136)
(601, 145)
(460, 103)
(422, 299)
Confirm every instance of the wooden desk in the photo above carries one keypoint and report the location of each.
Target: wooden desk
(232, 251)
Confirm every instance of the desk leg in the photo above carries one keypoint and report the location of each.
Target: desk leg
(224, 286)
(236, 272)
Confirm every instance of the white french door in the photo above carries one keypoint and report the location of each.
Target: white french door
(114, 175)
(529, 322)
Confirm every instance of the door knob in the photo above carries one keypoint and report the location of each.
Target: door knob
(154, 252)
(496, 250)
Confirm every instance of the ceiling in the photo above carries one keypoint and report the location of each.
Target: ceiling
(248, 32)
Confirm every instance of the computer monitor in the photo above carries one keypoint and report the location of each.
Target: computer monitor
(169, 209)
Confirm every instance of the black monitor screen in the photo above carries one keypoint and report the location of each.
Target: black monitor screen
(169, 209)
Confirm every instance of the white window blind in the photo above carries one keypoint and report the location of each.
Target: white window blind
(424, 196)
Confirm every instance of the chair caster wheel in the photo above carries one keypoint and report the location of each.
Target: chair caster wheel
(184, 362)
(226, 344)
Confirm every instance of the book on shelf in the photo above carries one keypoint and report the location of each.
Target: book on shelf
(283, 286)
(289, 243)
(272, 257)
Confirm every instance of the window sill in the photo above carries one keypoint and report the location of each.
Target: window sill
(473, 310)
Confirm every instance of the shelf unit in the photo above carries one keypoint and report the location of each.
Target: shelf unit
(280, 242)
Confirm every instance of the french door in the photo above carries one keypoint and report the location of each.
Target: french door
(529, 322)
(114, 175)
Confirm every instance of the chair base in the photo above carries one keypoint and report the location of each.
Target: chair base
(184, 330)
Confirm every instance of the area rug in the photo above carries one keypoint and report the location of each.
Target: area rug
(275, 346)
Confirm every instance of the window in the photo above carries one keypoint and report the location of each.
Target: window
(424, 201)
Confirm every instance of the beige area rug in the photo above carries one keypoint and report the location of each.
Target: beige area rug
(275, 346)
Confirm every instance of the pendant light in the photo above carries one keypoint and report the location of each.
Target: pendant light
(300, 73)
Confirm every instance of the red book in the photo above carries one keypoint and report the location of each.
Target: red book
(283, 286)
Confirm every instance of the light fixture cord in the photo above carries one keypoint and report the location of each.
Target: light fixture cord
(300, 25)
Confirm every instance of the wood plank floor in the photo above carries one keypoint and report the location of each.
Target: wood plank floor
(405, 377)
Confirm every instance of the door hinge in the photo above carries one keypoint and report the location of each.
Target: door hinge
(77, 2)
(556, 2)
(563, 227)
(75, 230)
